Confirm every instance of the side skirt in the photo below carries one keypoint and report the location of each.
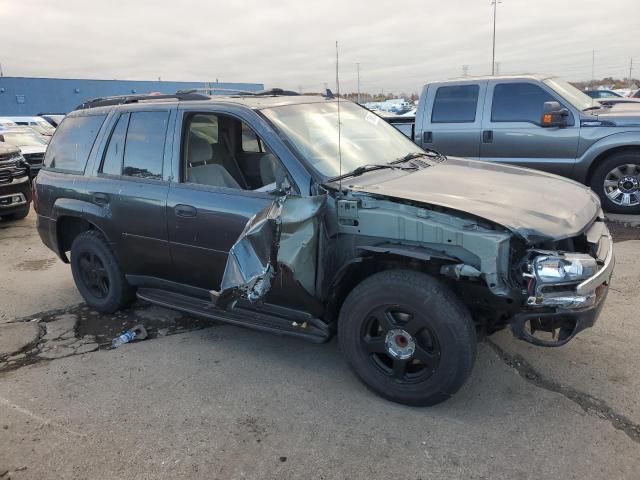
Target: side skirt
(270, 319)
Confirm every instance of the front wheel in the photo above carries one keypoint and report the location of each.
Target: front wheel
(407, 337)
(617, 182)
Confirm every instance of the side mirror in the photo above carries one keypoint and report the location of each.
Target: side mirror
(554, 115)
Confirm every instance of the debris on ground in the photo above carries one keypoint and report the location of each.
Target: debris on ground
(136, 333)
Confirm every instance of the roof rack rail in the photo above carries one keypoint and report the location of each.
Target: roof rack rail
(124, 99)
(259, 93)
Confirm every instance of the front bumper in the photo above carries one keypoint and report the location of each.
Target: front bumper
(571, 312)
(19, 187)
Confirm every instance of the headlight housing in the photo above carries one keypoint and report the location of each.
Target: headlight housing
(567, 268)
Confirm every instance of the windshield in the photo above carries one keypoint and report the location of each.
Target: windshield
(24, 139)
(365, 138)
(571, 94)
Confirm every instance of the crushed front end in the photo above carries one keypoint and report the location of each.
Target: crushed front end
(565, 287)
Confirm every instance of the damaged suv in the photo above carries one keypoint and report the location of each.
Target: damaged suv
(310, 216)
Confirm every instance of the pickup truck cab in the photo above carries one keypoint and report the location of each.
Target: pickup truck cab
(310, 216)
(500, 119)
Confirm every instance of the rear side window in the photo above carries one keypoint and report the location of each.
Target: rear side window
(518, 102)
(144, 147)
(112, 161)
(455, 104)
(70, 147)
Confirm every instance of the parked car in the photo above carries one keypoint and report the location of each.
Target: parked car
(598, 94)
(250, 210)
(38, 124)
(15, 189)
(5, 123)
(31, 144)
(503, 119)
(53, 118)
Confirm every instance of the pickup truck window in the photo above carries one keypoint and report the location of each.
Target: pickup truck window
(70, 147)
(144, 147)
(455, 104)
(112, 161)
(518, 102)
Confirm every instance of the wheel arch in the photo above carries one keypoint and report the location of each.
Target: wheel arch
(359, 268)
(68, 227)
(606, 154)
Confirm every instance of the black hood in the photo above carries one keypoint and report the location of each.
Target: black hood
(534, 204)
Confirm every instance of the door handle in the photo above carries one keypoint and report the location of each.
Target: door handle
(186, 211)
(487, 136)
(100, 198)
(427, 137)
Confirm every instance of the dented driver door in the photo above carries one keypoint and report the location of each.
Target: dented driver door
(274, 260)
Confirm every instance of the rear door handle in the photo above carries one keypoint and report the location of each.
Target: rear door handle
(100, 198)
(186, 211)
(487, 136)
(427, 137)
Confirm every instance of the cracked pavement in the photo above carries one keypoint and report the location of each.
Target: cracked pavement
(202, 400)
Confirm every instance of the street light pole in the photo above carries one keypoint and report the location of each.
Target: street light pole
(358, 69)
(493, 50)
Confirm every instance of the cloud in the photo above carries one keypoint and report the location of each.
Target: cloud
(291, 44)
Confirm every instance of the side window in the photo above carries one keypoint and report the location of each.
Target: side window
(518, 102)
(70, 147)
(144, 146)
(112, 160)
(250, 140)
(455, 104)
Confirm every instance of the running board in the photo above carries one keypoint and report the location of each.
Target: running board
(300, 325)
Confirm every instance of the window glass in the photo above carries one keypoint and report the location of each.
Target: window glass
(518, 102)
(72, 143)
(205, 126)
(250, 141)
(144, 148)
(455, 104)
(112, 161)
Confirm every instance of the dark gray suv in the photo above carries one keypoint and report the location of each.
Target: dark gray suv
(310, 216)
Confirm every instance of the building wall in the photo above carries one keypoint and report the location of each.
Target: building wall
(30, 96)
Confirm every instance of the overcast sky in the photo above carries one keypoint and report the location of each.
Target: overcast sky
(399, 44)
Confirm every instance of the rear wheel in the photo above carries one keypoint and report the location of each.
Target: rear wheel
(97, 274)
(617, 182)
(407, 337)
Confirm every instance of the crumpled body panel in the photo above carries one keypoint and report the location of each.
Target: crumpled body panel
(285, 232)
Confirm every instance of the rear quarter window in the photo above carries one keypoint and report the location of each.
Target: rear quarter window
(70, 146)
(455, 104)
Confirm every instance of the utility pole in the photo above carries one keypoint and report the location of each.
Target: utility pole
(493, 50)
(1, 72)
(630, 72)
(358, 69)
(593, 68)
(497, 68)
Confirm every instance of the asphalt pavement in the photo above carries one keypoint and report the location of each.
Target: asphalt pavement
(204, 400)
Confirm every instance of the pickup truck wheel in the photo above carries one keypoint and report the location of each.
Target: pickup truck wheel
(407, 337)
(97, 274)
(617, 182)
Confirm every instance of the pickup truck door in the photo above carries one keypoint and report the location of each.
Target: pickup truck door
(511, 130)
(451, 118)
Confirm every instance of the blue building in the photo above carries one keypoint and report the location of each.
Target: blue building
(30, 96)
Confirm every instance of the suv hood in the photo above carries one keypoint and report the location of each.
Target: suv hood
(535, 205)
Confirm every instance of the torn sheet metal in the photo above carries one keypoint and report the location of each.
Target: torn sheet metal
(285, 232)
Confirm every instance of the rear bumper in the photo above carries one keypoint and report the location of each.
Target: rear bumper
(47, 230)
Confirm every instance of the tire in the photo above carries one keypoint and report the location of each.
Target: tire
(619, 171)
(438, 324)
(97, 274)
(21, 214)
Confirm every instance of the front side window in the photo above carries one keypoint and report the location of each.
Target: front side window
(518, 102)
(72, 143)
(144, 145)
(455, 104)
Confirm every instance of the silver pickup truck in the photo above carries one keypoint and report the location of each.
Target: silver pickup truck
(538, 122)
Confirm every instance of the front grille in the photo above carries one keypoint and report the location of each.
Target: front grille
(34, 158)
(5, 176)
